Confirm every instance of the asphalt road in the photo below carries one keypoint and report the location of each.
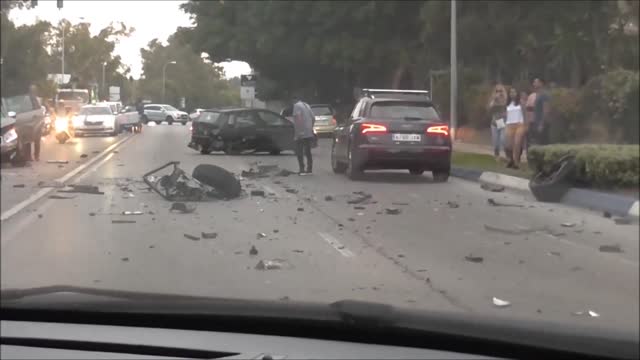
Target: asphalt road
(331, 250)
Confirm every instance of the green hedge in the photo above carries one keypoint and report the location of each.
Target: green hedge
(601, 166)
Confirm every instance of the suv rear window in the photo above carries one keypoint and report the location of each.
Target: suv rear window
(408, 110)
(321, 110)
(210, 117)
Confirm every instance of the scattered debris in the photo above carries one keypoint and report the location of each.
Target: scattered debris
(53, 184)
(123, 221)
(92, 214)
(83, 189)
(132, 213)
(515, 231)
(284, 298)
(359, 208)
(257, 193)
(298, 251)
(128, 196)
(275, 264)
(576, 268)
(400, 203)
(474, 259)
(60, 197)
(125, 259)
(40, 216)
(182, 208)
(275, 231)
(500, 303)
(84, 156)
(421, 270)
(284, 173)
(351, 219)
(589, 313)
(261, 235)
(453, 204)
(361, 199)
(300, 209)
(492, 187)
(211, 235)
(96, 151)
(18, 185)
(152, 246)
(291, 191)
(553, 253)
(520, 262)
(253, 251)
(400, 255)
(539, 311)
(623, 221)
(493, 202)
(57, 161)
(191, 237)
(60, 166)
(568, 224)
(239, 252)
(328, 198)
(615, 248)
(392, 211)
(607, 214)
(207, 181)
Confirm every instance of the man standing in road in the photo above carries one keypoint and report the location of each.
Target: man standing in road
(541, 105)
(36, 104)
(303, 121)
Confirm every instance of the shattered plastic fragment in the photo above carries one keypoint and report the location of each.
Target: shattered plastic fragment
(253, 251)
(257, 193)
(474, 259)
(18, 185)
(128, 196)
(269, 265)
(590, 313)
(132, 213)
(123, 221)
(300, 209)
(615, 248)
(261, 235)
(359, 208)
(500, 303)
(492, 202)
(84, 155)
(211, 235)
(400, 203)
(392, 211)
(328, 198)
(453, 204)
(191, 237)
(291, 191)
(84, 189)
(568, 224)
(553, 253)
(125, 259)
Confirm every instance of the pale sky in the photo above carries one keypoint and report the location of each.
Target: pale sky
(151, 19)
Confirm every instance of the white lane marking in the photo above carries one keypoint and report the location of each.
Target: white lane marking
(44, 191)
(336, 245)
(95, 167)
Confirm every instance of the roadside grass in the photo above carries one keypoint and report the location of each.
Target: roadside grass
(485, 162)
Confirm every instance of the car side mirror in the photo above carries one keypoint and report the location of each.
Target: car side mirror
(12, 114)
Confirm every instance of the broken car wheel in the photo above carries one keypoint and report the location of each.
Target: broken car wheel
(219, 179)
(551, 187)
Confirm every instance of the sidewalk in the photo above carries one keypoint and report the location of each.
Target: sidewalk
(476, 142)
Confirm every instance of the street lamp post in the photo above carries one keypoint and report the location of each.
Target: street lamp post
(164, 69)
(454, 72)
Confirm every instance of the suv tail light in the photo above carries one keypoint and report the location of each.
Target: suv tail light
(438, 130)
(367, 128)
(333, 121)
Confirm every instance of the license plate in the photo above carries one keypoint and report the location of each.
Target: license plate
(407, 137)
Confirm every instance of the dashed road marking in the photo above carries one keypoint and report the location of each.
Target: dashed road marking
(336, 245)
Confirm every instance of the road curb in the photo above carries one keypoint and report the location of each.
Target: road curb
(583, 198)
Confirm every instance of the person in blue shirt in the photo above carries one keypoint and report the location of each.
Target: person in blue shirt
(539, 129)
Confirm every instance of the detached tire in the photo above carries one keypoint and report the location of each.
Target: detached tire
(552, 186)
(218, 178)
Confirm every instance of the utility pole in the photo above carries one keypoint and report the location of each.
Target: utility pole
(454, 73)
(103, 91)
(164, 69)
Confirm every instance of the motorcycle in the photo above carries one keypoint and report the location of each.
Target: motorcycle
(64, 130)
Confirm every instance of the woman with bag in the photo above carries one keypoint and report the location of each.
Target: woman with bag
(498, 111)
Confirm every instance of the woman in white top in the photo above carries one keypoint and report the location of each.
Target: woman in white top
(515, 121)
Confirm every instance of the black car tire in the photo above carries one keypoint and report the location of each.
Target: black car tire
(228, 149)
(218, 178)
(205, 149)
(274, 152)
(416, 171)
(441, 175)
(337, 166)
(353, 170)
(552, 186)
(169, 120)
(144, 119)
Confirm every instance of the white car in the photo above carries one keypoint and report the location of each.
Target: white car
(162, 112)
(95, 119)
(195, 114)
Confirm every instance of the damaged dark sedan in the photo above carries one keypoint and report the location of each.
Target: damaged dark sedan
(236, 130)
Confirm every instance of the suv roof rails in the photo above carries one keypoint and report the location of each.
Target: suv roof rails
(393, 92)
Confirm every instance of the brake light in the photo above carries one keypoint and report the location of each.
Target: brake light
(372, 128)
(440, 129)
(333, 121)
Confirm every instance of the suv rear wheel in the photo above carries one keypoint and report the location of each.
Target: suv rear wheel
(169, 120)
(353, 170)
(337, 166)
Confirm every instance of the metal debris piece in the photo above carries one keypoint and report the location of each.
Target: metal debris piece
(493, 202)
(615, 248)
(191, 237)
(607, 214)
(60, 197)
(83, 189)
(361, 199)
(400, 255)
(152, 246)
(400, 203)
(132, 213)
(125, 259)
(123, 221)
(257, 193)
(328, 198)
(18, 185)
(589, 313)
(128, 196)
(53, 184)
(360, 214)
(84, 155)
(453, 204)
(291, 191)
(261, 235)
(515, 231)
(351, 219)
(57, 161)
(568, 224)
(623, 221)
(298, 251)
(275, 231)
(284, 173)
(177, 186)
(392, 211)
(492, 187)
(284, 298)
(40, 216)
(211, 235)
(92, 214)
(300, 209)
(253, 251)
(96, 151)
(359, 208)
(182, 208)
(275, 264)
(500, 303)
(474, 259)
(553, 253)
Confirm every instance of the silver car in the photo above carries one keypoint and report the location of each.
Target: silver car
(162, 112)
(95, 120)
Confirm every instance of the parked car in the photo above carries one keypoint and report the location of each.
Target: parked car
(95, 120)
(8, 138)
(235, 130)
(393, 129)
(27, 115)
(128, 118)
(160, 112)
(194, 115)
(325, 119)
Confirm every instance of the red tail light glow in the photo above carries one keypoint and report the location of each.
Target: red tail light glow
(367, 128)
(440, 129)
(333, 121)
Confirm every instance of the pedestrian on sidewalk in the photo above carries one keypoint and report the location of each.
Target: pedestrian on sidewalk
(498, 110)
(303, 121)
(539, 127)
(514, 123)
(521, 143)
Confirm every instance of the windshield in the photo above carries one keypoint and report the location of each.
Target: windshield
(322, 110)
(403, 110)
(499, 179)
(95, 110)
(82, 96)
